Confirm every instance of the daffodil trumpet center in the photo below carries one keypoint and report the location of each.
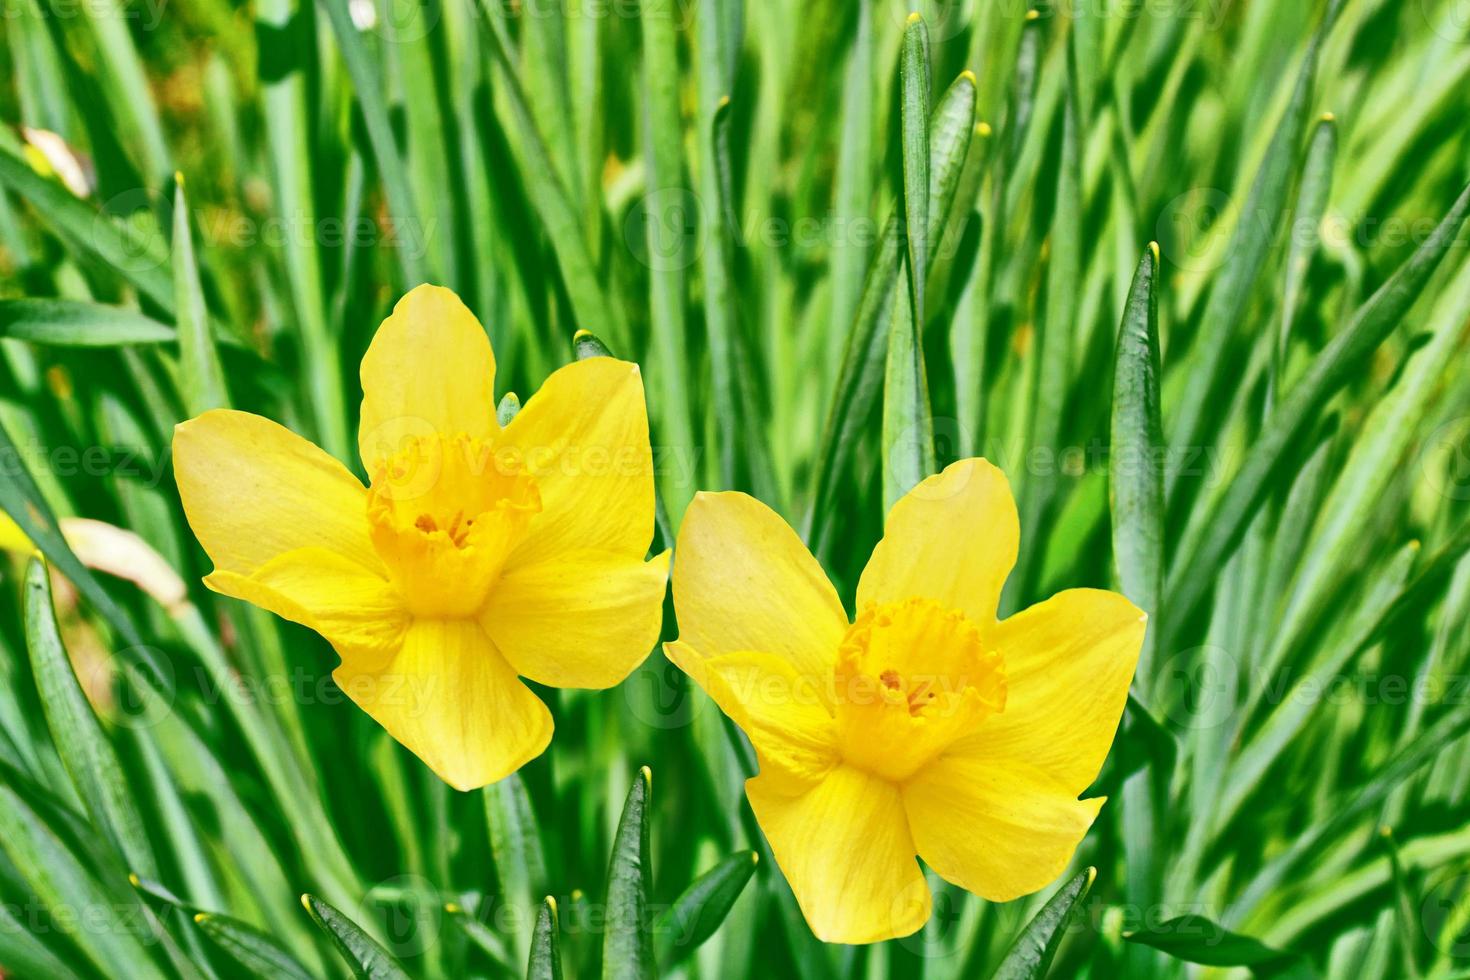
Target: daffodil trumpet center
(911, 677)
(445, 512)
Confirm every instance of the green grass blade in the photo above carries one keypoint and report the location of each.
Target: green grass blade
(135, 251)
(89, 757)
(627, 943)
(515, 846)
(286, 40)
(67, 323)
(559, 216)
(914, 83)
(203, 378)
(908, 422)
(22, 954)
(1311, 206)
(701, 908)
(545, 961)
(1135, 450)
(250, 948)
(864, 360)
(1251, 243)
(1210, 541)
(380, 135)
(668, 245)
(1030, 955)
(367, 959)
(59, 878)
(1196, 939)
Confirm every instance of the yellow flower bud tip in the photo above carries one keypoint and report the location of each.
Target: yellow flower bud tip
(724, 101)
(578, 894)
(581, 335)
(200, 917)
(1091, 876)
(1033, 15)
(983, 130)
(452, 908)
(306, 903)
(1329, 117)
(1386, 833)
(755, 857)
(179, 178)
(969, 76)
(914, 18)
(647, 775)
(135, 881)
(551, 904)
(1153, 248)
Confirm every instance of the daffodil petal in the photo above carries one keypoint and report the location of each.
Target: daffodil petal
(429, 370)
(998, 831)
(356, 610)
(744, 581)
(253, 490)
(451, 699)
(845, 848)
(584, 437)
(583, 620)
(1068, 662)
(953, 538)
(782, 712)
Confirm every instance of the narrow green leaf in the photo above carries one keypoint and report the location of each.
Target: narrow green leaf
(250, 948)
(558, 213)
(364, 956)
(914, 84)
(666, 225)
(865, 357)
(22, 954)
(80, 741)
(67, 323)
(1210, 541)
(627, 943)
(1250, 245)
(515, 845)
(286, 35)
(908, 422)
(545, 961)
(1196, 939)
(203, 378)
(369, 91)
(1311, 205)
(1032, 951)
(698, 911)
(1136, 443)
(135, 251)
(60, 879)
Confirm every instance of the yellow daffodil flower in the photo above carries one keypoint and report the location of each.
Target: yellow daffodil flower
(923, 727)
(477, 553)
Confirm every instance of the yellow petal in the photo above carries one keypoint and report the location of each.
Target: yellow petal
(583, 620)
(253, 490)
(1069, 661)
(784, 714)
(998, 831)
(743, 581)
(584, 437)
(451, 699)
(952, 538)
(845, 848)
(428, 370)
(356, 610)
